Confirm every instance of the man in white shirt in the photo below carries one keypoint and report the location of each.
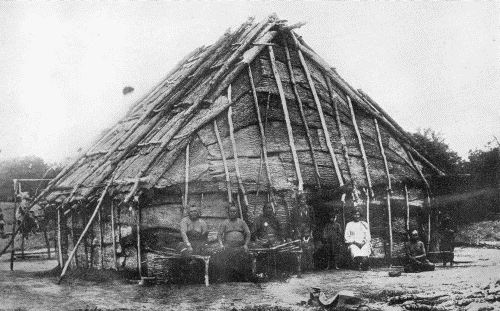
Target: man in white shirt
(357, 236)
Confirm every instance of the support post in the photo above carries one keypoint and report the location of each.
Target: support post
(262, 131)
(235, 152)
(321, 115)
(407, 201)
(301, 111)
(361, 146)
(98, 206)
(101, 240)
(224, 162)
(14, 231)
(113, 235)
(46, 237)
(429, 221)
(389, 218)
(59, 243)
(291, 142)
(73, 236)
(343, 142)
(139, 263)
(367, 194)
(186, 180)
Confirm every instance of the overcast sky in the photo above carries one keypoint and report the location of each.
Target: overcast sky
(63, 65)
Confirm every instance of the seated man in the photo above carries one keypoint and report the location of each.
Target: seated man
(266, 228)
(233, 262)
(416, 256)
(233, 232)
(194, 233)
(357, 236)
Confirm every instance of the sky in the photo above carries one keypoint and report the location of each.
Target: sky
(63, 65)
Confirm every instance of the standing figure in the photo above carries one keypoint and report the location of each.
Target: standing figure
(357, 236)
(266, 228)
(447, 245)
(194, 233)
(233, 262)
(332, 238)
(416, 256)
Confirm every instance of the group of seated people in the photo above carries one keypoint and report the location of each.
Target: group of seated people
(235, 237)
(233, 232)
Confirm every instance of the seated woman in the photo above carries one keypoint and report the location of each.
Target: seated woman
(416, 256)
(194, 233)
(266, 228)
(357, 236)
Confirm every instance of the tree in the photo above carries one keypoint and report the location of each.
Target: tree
(29, 167)
(431, 145)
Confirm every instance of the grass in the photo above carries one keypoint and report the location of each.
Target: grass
(475, 233)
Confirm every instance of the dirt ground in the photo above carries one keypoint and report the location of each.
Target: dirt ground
(22, 289)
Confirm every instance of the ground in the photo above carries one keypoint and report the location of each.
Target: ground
(23, 289)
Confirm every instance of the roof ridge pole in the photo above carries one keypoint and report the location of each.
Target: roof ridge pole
(262, 131)
(345, 149)
(301, 111)
(361, 146)
(235, 152)
(287, 120)
(186, 181)
(321, 115)
(224, 162)
(84, 232)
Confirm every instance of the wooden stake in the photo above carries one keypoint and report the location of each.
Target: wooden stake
(235, 152)
(73, 236)
(263, 141)
(382, 152)
(14, 233)
(389, 218)
(113, 236)
(302, 114)
(46, 237)
(287, 120)
(101, 240)
(407, 201)
(22, 245)
(367, 206)
(321, 116)
(186, 179)
(224, 162)
(429, 221)
(139, 263)
(361, 146)
(101, 199)
(239, 205)
(85, 244)
(343, 142)
(59, 243)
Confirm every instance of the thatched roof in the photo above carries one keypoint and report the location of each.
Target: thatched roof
(140, 150)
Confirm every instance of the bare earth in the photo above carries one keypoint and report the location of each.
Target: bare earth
(21, 290)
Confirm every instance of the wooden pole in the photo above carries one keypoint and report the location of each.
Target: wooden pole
(101, 240)
(113, 234)
(262, 131)
(407, 201)
(367, 206)
(96, 210)
(361, 146)
(321, 115)
(139, 263)
(235, 152)
(186, 180)
(291, 142)
(14, 233)
(343, 142)
(382, 152)
(73, 236)
(239, 205)
(224, 162)
(389, 218)
(429, 221)
(59, 243)
(23, 237)
(301, 111)
(85, 243)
